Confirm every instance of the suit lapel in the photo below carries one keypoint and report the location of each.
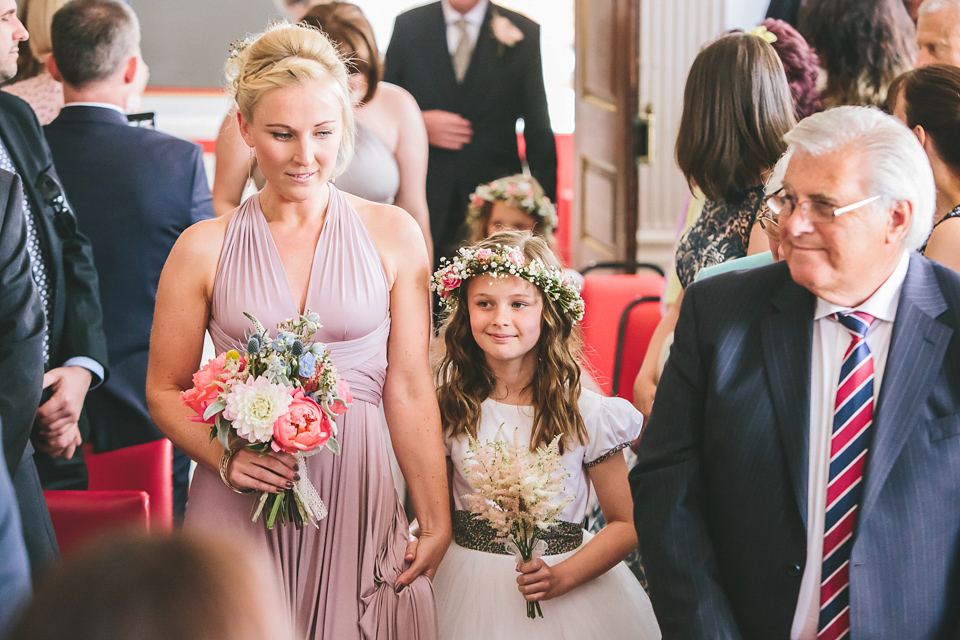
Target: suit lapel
(787, 339)
(917, 349)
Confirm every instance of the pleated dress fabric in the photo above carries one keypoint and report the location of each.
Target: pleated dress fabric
(338, 579)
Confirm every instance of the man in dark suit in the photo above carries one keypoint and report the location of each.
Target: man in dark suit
(73, 349)
(474, 68)
(21, 370)
(800, 472)
(134, 191)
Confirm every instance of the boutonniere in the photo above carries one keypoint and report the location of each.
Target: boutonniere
(506, 33)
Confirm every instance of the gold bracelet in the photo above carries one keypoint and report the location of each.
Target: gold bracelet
(225, 462)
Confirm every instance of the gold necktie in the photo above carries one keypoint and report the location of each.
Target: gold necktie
(461, 56)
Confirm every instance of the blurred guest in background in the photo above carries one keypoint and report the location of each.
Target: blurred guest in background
(800, 63)
(928, 101)
(725, 148)
(474, 69)
(33, 82)
(862, 44)
(151, 587)
(134, 190)
(938, 32)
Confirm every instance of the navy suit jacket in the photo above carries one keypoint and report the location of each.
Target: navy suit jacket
(134, 191)
(501, 85)
(720, 488)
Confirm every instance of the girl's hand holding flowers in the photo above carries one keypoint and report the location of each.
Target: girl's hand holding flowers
(539, 581)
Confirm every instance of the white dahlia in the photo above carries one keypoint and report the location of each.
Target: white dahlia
(254, 406)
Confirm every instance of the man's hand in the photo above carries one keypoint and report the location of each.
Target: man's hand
(57, 419)
(447, 130)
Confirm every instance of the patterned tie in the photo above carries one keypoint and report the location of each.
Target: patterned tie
(461, 56)
(38, 266)
(852, 417)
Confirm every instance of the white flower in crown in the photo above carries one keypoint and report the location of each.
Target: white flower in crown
(505, 31)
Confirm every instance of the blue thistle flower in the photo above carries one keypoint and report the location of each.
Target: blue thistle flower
(254, 344)
(296, 349)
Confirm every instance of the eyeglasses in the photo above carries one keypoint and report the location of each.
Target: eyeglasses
(769, 223)
(781, 203)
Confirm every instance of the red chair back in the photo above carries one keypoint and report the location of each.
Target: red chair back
(142, 467)
(80, 516)
(605, 296)
(637, 324)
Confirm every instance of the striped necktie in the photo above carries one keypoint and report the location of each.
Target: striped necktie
(849, 441)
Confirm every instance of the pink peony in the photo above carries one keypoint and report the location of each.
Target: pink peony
(344, 398)
(205, 388)
(304, 427)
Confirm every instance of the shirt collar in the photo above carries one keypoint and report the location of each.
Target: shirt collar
(473, 17)
(103, 105)
(882, 304)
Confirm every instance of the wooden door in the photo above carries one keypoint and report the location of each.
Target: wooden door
(604, 221)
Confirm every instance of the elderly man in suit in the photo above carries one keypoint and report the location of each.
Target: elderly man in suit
(474, 68)
(134, 191)
(800, 472)
(73, 349)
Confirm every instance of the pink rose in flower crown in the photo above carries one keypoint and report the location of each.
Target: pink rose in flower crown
(484, 254)
(205, 388)
(451, 281)
(344, 398)
(304, 426)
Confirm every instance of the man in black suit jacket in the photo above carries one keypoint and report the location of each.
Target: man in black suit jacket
(21, 370)
(471, 122)
(730, 488)
(73, 349)
(134, 191)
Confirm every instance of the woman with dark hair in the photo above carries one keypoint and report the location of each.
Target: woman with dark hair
(862, 44)
(800, 63)
(736, 108)
(390, 159)
(928, 101)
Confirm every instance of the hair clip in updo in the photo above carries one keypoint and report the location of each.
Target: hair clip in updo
(763, 33)
(239, 46)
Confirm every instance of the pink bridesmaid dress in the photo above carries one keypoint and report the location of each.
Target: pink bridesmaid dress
(339, 578)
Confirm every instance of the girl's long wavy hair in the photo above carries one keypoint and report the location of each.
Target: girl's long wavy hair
(464, 379)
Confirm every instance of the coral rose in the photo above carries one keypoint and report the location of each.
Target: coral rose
(205, 388)
(304, 427)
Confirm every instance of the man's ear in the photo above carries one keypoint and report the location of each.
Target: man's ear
(130, 69)
(51, 65)
(899, 222)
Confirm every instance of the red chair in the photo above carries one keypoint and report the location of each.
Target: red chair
(605, 297)
(142, 467)
(637, 324)
(80, 516)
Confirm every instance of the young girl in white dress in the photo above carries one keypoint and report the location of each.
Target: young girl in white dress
(508, 373)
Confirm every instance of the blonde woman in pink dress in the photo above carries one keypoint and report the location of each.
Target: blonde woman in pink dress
(301, 244)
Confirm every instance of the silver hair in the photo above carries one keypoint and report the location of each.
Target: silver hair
(896, 165)
(932, 6)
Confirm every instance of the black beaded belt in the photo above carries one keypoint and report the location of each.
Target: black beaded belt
(475, 533)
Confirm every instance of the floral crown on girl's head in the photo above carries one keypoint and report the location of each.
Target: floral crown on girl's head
(521, 194)
(500, 262)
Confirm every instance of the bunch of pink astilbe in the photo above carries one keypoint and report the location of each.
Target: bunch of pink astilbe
(516, 491)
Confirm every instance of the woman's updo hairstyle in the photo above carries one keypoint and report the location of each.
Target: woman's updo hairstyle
(286, 55)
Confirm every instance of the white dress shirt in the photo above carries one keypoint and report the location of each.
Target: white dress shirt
(830, 342)
(474, 19)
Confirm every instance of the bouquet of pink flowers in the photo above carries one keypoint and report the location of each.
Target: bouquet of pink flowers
(515, 491)
(282, 394)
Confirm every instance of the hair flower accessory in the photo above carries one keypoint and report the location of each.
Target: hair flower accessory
(502, 262)
(515, 191)
(763, 33)
(506, 33)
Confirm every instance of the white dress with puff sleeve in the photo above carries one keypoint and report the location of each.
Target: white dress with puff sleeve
(477, 596)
